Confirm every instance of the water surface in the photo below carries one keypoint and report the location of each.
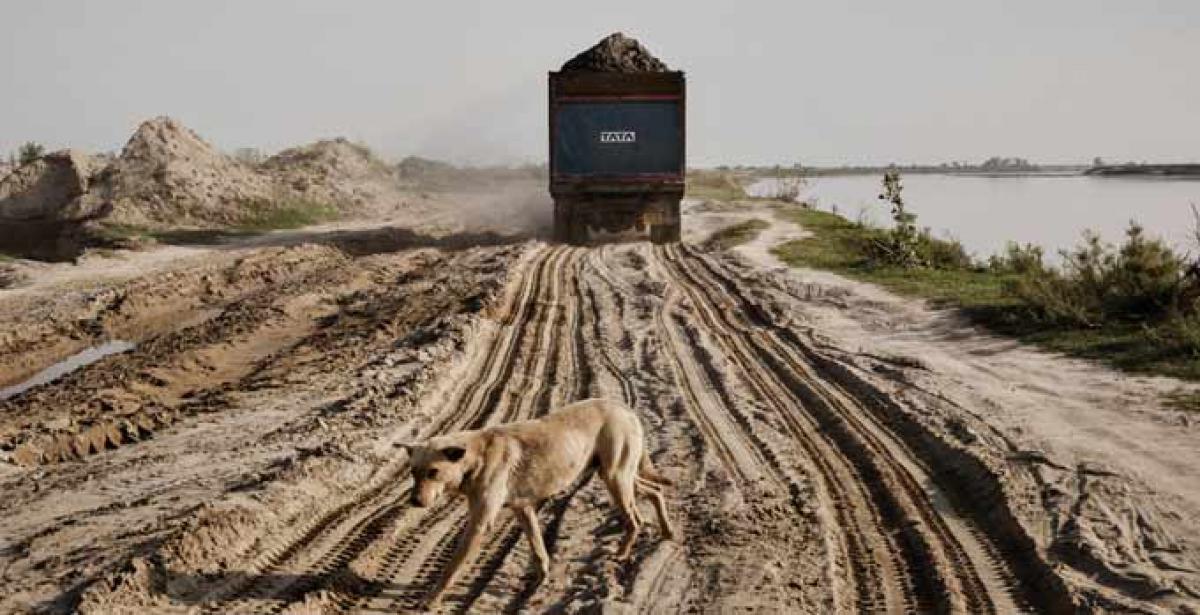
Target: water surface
(985, 212)
(66, 366)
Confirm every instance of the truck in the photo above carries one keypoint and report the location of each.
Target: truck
(616, 155)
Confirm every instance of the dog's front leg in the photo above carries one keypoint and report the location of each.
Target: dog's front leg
(529, 521)
(483, 513)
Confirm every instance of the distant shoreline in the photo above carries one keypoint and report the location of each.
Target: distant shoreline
(1182, 171)
(1147, 173)
(1165, 171)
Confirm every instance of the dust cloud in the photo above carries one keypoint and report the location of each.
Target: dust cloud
(521, 207)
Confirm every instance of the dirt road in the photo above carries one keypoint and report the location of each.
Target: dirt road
(239, 458)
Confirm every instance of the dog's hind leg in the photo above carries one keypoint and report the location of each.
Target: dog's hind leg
(529, 521)
(621, 490)
(652, 491)
(619, 478)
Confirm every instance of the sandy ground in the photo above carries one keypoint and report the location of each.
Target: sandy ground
(834, 448)
(1075, 408)
(1119, 473)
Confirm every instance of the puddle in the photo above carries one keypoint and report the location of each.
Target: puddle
(67, 365)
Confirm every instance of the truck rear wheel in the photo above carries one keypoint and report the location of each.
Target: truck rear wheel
(575, 233)
(664, 233)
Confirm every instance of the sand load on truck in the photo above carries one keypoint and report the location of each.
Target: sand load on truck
(617, 119)
(616, 53)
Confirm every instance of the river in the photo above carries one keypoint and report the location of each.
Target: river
(986, 212)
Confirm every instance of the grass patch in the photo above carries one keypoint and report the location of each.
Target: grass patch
(736, 234)
(4, 258)
(257, 217)
(839, 245)
(1184, 401)
(1018, 301)
(268, 216)
(123, 234)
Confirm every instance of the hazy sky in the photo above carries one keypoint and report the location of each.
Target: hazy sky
(819, 82)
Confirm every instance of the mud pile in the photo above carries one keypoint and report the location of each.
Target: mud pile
(41, 202)
(168, 175)
(48, 188)
(616, 53)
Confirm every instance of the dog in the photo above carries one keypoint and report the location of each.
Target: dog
(519, 465)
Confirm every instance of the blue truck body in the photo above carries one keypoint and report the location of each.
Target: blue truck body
(618, 138)
(617, 155)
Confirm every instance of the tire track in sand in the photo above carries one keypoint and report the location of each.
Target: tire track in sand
(413, 558)
(948, 564)
(318, 551)
(874, 575)
(722, 421)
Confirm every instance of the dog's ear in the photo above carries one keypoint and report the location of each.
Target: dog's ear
(408, 447)
(454, 453)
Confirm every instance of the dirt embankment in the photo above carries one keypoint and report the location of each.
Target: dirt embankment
(43, 204)
(168, 177)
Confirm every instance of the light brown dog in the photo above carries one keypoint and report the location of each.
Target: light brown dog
(519, 465)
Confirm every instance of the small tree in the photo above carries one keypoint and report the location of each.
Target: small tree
(901, 245)
(29, 152)
(786, 189)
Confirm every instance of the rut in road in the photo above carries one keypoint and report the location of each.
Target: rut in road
(943, 562)
(356, 563)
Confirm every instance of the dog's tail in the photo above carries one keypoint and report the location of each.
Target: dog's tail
(647, 471)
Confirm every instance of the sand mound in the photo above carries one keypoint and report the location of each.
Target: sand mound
(168, 175)
(335, 172)
(616, 53)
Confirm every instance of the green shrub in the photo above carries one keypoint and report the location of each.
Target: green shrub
(1018, 258)
(1148, 277)
(1142, 280)
(942, 253)
(30, 151)
(1178, 336)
